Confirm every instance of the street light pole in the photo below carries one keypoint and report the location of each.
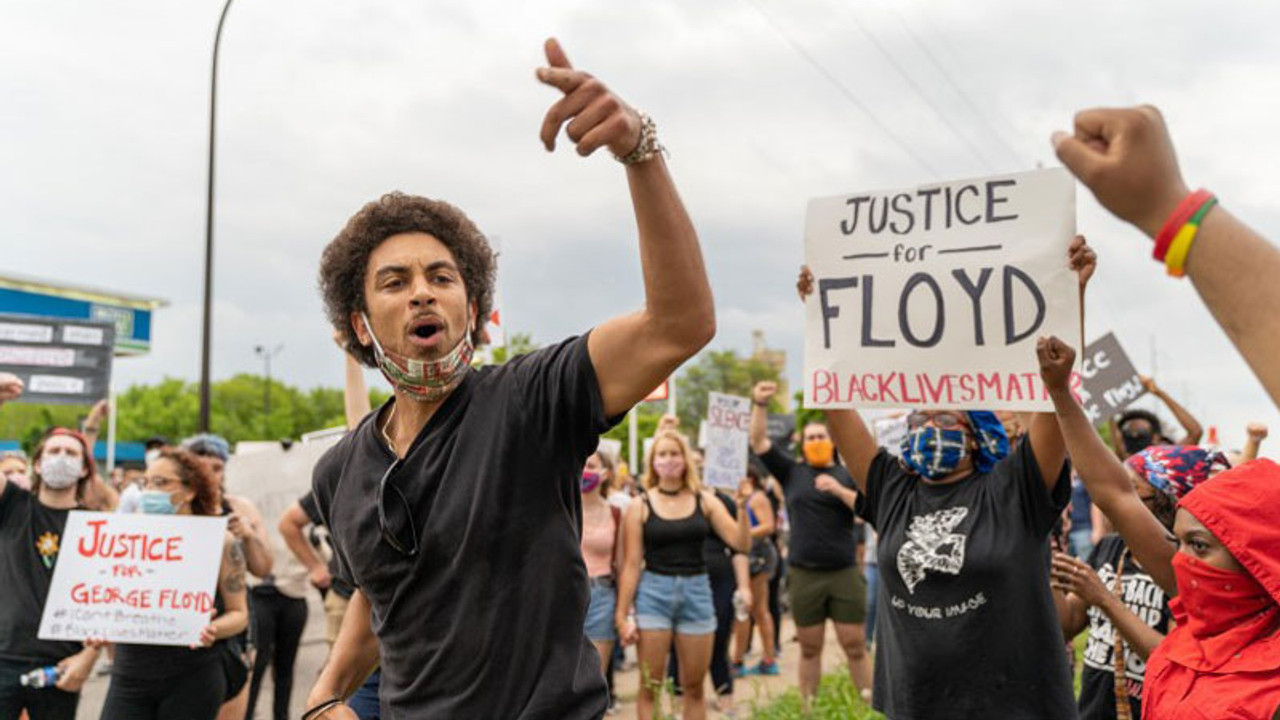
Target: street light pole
(208, 232)
(266, 355)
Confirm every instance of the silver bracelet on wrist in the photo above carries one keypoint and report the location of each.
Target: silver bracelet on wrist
(647, 147)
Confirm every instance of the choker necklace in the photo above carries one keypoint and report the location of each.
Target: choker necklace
(670, 492)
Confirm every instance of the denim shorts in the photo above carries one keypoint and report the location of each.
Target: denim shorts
(599, 626)
(675, 602)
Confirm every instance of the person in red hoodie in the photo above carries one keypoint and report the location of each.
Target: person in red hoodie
(1223, 658)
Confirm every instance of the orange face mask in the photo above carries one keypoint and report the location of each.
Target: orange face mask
(819, 453)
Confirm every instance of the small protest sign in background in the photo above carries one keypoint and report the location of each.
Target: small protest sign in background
(780, 429)
(890, 431)
(134, 578)
(934, 296)
(728, 422)
(1109, 381)
(59, 361)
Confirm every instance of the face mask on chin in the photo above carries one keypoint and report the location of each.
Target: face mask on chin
(426, 380)
(60, 472)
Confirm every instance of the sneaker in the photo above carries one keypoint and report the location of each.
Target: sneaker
(738, 669)
(766, 668)
(613, 706)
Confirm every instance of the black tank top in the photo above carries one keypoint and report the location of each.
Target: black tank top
(674, 547)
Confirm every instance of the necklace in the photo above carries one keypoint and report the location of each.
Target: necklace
(391, 415)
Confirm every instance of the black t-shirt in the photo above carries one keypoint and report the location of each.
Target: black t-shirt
(1145, 599)
(486, 620)
(30, 537)
(822, 534)
(337, 585)
(967, 626)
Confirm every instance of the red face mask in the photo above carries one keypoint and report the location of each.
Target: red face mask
(1217, 600)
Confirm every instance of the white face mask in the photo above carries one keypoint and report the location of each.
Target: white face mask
(60, 472)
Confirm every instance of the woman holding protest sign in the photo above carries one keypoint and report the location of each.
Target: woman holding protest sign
(1223, 573)
(964, 530)
(664, 532)
(31, 528)
(153, 682)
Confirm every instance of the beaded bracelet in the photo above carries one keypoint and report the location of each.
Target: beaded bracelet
(647, 147)
(1176, 259)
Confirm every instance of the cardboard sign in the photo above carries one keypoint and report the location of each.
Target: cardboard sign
(934, 296)
(133, 578)
(728, 423)
(1109, 381)
(59, 361)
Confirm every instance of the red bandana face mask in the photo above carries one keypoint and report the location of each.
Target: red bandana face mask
(1217, 601)
(427, 380)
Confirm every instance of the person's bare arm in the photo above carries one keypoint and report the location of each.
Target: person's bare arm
(1082, 583)
(92, 425)
(853, 439)
(1072, 613)
(246, 524)
(1189, 424)
(629, 575)
(1103, 475)
(235, 603)
(1257, 432)
(758, 431)
(1125, 156)
(292, 523)
(634, 353)
(352, 658)
(763, 510)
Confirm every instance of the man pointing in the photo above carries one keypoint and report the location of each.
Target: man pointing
(455, 508)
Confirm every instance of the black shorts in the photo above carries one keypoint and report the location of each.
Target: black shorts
(235, 665)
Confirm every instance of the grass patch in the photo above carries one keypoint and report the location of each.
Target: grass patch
(837, 698)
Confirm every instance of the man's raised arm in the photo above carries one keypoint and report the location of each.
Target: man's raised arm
(632, 354)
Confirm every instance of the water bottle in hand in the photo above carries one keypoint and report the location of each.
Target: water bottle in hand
(740, 609)
(41, 678)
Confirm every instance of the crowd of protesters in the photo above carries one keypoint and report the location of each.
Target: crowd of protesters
(481, 555)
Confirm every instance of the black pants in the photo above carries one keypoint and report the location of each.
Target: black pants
(194, 694)
(278, 623)
(775, 609)
(723, 583)
(41, 704)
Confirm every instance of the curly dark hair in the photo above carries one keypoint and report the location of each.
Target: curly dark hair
(194, 475)
(346, 258)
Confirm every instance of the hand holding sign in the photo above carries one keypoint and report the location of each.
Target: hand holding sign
(1056, 361)
(1125, 157)
(10, 387)
(599, 118)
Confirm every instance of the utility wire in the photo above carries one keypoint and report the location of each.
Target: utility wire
(844, 90)
(919, 91)
(933, 60)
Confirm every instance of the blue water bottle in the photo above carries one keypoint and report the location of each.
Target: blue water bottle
(41, 678)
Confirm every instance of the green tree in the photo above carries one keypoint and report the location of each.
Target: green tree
(518, 344)
(719, 371)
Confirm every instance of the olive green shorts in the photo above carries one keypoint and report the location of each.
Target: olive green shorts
(817, 595)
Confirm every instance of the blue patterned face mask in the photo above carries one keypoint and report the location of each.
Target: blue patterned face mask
(934, 452)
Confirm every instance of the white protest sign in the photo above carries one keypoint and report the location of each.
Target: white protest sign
(934, 296)
(134, 578)
(890, 432)
(728, 421)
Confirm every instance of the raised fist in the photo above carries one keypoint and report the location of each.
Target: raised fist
(1056, 360)
(1125, 156)
(763, 392)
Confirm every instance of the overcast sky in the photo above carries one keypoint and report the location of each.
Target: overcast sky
(762, 103)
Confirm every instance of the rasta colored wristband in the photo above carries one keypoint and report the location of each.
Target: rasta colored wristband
(1180, 216)
(1176, 259)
